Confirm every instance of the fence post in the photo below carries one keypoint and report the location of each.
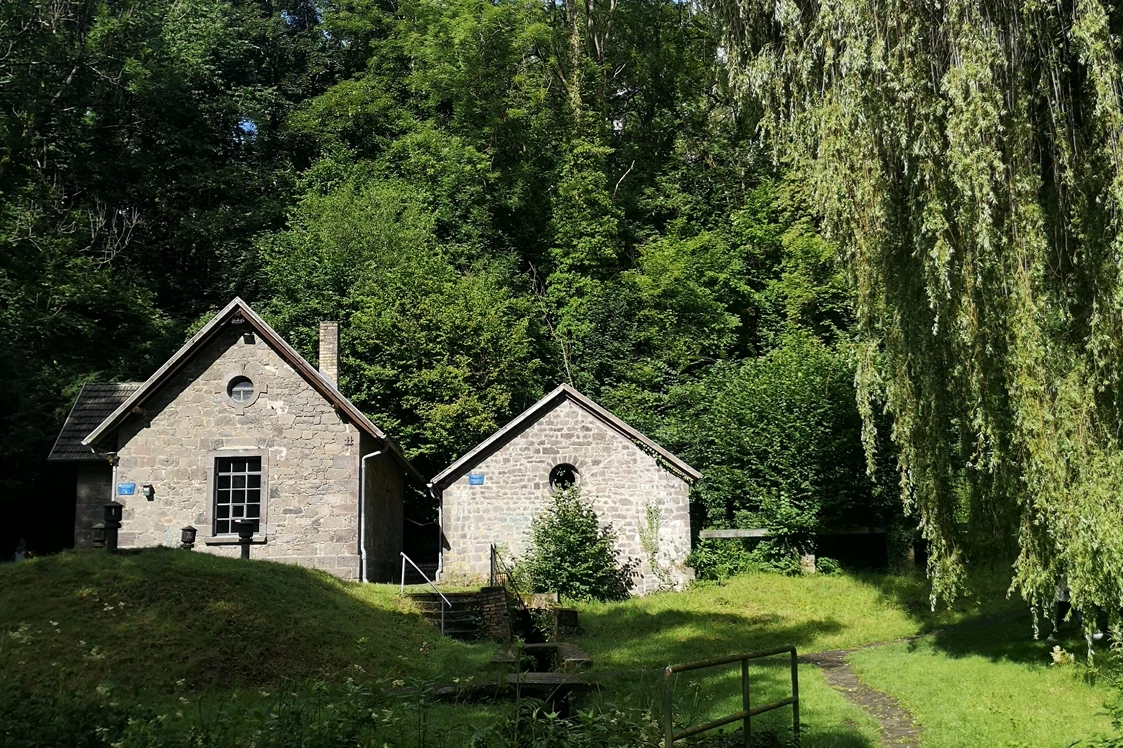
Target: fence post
(745, 699)
(402, 589)
(668, 720)
(795, 695)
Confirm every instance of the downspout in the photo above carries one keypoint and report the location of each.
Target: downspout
(440, 497)
(113, 460)
(362, 513)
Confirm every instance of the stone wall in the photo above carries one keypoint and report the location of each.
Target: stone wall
(493, 610)
(383, 512)
(310, 458)
(621, 479)
(93, 492)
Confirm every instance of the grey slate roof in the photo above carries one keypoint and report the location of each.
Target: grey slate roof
(94, 404)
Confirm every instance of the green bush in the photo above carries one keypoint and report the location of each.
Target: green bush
(827, 565)
(722, 558)
(572, 554)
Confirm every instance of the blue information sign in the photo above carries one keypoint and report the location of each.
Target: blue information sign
(126, 489)
(475, 479)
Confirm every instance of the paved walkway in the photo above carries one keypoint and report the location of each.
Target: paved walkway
(897, 726)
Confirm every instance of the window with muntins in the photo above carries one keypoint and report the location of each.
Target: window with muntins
(237, 493)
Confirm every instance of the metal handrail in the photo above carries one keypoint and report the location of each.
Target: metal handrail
(747, 711)
(429, 582)
(501, 570)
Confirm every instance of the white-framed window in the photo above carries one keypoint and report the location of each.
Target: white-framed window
(237, 493)
(240, 389)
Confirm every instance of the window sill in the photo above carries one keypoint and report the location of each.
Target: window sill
(233, 540)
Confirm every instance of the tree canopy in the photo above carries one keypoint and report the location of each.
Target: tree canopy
(491, 197)
(965, 156)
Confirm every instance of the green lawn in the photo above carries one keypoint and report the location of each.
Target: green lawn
(766, 610)
(150, 620)
(762, 611)
(988, 685)
(164, 624)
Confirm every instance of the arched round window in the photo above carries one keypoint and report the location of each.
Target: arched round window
(563, 476)
(240, 389)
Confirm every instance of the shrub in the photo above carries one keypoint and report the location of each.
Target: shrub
(572, 554)
(827, 565)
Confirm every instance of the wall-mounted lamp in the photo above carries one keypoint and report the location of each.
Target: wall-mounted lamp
(148, 491)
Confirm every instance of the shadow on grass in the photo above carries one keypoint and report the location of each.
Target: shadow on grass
(708, 694)
(149, 620)
(630, 637)
(1008, 640)
(981, 622)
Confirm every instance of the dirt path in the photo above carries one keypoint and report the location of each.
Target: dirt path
(897, 726)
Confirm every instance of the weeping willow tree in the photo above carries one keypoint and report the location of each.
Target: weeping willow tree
(966, 156)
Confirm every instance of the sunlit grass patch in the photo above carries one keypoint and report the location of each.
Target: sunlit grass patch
(987, 685)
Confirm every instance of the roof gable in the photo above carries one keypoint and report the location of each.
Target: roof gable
(93, 405)
(529, 416)
(238, 309)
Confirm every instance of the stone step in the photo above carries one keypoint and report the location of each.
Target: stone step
(435, 607)
(462, 613)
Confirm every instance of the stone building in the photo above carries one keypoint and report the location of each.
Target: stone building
(237, 425)
(491, 494)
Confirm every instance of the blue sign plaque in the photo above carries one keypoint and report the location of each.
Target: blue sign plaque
(126, 489)
(475, 479)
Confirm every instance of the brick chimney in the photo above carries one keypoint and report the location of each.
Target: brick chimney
(329, 351)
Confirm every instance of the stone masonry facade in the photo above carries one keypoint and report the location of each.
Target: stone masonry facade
(309, 454)
(647, 504)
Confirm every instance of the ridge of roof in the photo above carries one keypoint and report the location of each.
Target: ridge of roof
(179, 359)
(524, 419)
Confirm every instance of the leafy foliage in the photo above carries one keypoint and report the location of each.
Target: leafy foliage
(490, 197)
(966, 159)
(571, 553)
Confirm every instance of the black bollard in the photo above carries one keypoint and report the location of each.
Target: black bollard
(113, 513)
(245, 535)
(187, 538)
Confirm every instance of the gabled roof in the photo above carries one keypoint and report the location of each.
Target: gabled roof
(94, 404)
(318, 382)
(540, 408)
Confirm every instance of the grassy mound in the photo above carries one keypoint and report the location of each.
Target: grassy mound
(161, 617)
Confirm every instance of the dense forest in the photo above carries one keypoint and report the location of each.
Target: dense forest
(491, 197)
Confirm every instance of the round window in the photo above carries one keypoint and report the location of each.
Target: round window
(563, 476)
(240, 389)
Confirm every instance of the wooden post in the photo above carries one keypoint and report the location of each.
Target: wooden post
(668, 720)
(745, 700)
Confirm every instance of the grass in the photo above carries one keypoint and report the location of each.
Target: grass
(759, 611)
(162, 616)
(987, 685)
(164, 623)
(982, 685)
